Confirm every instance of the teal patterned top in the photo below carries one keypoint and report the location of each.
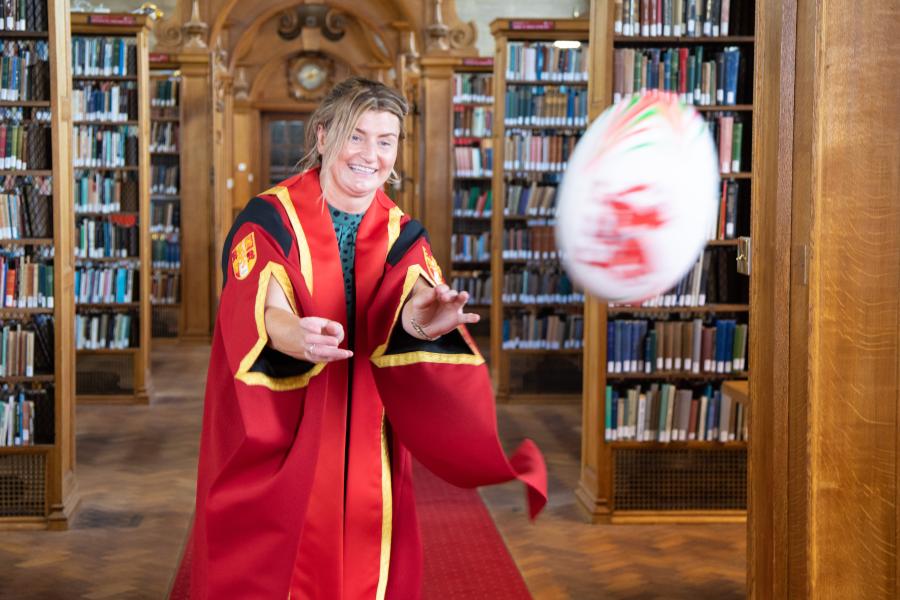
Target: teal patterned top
(346, 226)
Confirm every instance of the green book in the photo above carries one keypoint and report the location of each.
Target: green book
(607, 405)
(737, 134)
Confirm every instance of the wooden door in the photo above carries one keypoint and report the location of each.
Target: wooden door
(282, 145)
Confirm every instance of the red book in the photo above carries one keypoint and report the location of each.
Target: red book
(692, 424)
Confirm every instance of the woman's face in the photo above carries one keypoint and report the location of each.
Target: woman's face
(367, 158)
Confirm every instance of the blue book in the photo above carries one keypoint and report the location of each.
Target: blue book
(539, 62)
(610, 346)
(732, 64)
(712, 416)
(728, 350)
(617, 355)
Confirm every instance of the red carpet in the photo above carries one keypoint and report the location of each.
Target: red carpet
(465, 557)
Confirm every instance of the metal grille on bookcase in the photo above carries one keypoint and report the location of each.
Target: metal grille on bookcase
(22, 482)
(105, 374)
(686, 479)
(165, 321)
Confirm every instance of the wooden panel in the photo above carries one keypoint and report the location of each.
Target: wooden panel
(769, 294)
(198, 257)
(62, 495)
(854, 281)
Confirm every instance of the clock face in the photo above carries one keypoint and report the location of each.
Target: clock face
(311, 76)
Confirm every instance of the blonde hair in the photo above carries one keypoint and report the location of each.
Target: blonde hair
(338, 114)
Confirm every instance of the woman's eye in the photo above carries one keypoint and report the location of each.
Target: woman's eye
(386, 144)
(355, 138)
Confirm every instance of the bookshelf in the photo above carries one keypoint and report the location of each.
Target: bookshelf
(472, 194)
(165, 195)
(110, 79)
(37, 457)
(540, 110)
(665, 435)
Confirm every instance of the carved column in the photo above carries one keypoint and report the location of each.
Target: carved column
(437, 124)
(197, 260)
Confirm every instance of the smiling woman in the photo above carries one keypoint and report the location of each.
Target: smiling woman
(304, 487)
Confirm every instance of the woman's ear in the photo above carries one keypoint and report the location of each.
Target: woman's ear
(320, 139)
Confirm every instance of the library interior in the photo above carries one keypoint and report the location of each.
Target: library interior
(177, 398)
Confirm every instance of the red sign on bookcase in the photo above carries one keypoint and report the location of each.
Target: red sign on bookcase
(532, 25)
(481, 61)
(111, 20)
(159, 57)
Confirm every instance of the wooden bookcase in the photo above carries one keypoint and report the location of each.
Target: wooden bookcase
(119, 375)
(165, 195)
(532, 374)
(37, 481)
(674, 481)
(471, 195)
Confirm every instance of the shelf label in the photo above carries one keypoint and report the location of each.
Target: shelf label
(532, 25)
(481, 61)
(111, 20)
(159, 57)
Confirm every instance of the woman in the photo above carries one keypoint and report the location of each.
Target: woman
(338, 352)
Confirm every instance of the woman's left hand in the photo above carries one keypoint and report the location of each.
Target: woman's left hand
(436, 310)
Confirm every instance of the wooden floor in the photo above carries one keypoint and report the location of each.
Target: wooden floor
(136, 472)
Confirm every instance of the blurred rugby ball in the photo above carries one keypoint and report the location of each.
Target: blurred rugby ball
(638, 199)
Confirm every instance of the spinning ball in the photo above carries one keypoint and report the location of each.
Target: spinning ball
(638, 199)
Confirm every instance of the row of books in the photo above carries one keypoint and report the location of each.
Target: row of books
(104, 192)
(726, 221)
(543, 61)
(104, 56)
(165, 288)
(474, 162)
(632, 346)
(543, 284)
(665, 413)
(164, 179)
(105, 285)
(24, 70)
(165, 217)
(473, 87)
(478, 285)
(472, 201)
(114, 237)
(24, 146)
(23, 15)
(26, 214)
(712, 280)
(697, 79)
(473, 121)
(165, 250)
(105, 101)
(163, 137)
(165, 92)
(655, 18)
(533, 200)
(17, 114)
(101, 146)
(17, 348)
(560, 106)
(16, 420)
(529, 243)
(527, 151)
(24, 282)
(466, 247)
(530, 331)
(728, 131)
(112, 330)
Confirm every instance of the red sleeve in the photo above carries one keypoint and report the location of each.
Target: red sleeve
(438, 396)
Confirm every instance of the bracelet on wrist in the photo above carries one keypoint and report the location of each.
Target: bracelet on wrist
(418, 328)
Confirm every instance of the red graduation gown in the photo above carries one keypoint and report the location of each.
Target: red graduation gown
(302, 492)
